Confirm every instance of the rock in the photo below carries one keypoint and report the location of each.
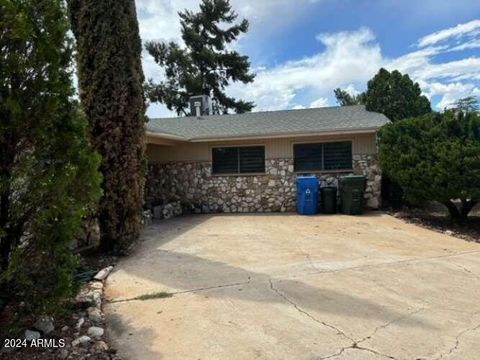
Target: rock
(31, 335)
(97, 299)
(100, 346)
(80, 323)
(44, 324)
(84, 299)
(62, 354)
(102, 274)
(95, 332)
(94, 314)
(147, 217)
(373, 203)
(173, 209)
(449, 232)
(96, 285)
(81, 340)
(158, 212)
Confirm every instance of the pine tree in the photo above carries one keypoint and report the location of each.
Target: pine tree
(205, 65)
(467, 104)
(396, 96)
(344, 98)
(111, 92)
(49, 177)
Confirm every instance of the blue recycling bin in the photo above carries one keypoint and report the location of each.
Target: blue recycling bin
(307, 195)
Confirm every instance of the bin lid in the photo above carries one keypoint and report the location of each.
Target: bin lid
(303, 181)
(328, 188)
(307, 177)
(353, 179)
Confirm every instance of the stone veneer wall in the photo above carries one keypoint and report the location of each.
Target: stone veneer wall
(197, 189)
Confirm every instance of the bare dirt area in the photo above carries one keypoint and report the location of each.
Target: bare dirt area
(293, 287)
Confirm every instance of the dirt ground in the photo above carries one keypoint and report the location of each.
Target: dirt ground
(293, 287)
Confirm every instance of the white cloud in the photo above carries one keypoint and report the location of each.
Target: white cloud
(345, 59)
(349, 60)
(321, 102)
(159, 18)
(349, 57)
(449, 80)
(451, 92)
(446, 34)
(298, 107)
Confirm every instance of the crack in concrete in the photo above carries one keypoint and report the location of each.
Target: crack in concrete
(319, 271)
(383, 326)
(466, 270)
(187, 291)
(356, 347)
(299, 309)
(457, 341)
(338, 331)
(213, 287)
(405, 261)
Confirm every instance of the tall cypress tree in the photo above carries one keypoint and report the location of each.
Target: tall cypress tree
(111, 92)
(205, 65)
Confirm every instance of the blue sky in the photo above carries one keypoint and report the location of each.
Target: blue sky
(302, 49)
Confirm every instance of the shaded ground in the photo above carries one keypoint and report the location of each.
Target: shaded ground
(291, 287)
(469, 231)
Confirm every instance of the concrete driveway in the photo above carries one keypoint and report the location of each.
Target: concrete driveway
(291, 287)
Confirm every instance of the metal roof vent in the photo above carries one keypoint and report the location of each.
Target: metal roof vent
(201, 105)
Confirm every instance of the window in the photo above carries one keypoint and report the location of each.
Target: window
(323, 156)
(238, 160)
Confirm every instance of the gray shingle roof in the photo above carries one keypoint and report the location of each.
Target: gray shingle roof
(269, 123)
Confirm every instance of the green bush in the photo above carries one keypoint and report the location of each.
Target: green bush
(435, 157)
(48, 174)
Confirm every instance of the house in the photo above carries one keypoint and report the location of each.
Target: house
(249, 162)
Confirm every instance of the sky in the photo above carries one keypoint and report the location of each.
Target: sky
(301, 50)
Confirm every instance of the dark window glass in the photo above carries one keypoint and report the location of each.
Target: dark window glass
(238, 160)
(307, 157)
(225, 160)
(252, 159)
(337, 156)
(323, 156)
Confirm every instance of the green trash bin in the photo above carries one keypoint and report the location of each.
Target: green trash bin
(352, 189)
(328, 196)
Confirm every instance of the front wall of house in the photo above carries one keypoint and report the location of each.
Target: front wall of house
(274, 148)
(184, 173)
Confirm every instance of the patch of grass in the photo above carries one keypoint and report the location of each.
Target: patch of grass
(157, 295)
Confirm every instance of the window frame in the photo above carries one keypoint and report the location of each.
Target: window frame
(322, 142)
(238, 173)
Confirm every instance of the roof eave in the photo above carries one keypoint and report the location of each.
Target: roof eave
(287, 135)
(160, 135)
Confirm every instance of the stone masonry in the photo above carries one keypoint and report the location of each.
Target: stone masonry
(193, 184)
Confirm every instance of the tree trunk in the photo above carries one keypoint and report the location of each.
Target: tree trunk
(467, 206)
(7, 157)
(452, 209)
(5, 240)
(460, 215)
